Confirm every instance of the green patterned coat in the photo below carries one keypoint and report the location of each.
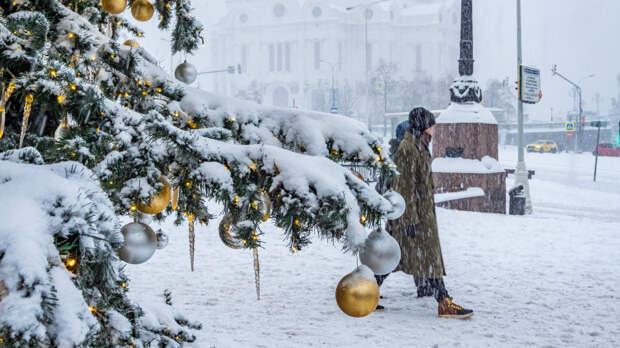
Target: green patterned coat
(421, 254)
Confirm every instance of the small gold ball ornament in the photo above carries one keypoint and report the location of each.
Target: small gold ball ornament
(159, 202)
(357, 293)
(114, 6)
(131, 43)
(142, 10)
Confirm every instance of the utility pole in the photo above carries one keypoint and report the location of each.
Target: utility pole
(385, 89)
(367, 16)
(521, 173)
(580, 116)
(367, 13)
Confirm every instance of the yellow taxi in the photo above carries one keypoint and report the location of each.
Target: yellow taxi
(542, 146)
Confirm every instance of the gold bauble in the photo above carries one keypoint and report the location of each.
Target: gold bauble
(159, 202)
(142, 10)
(131, 43)
(357, 293)
(114, 6)
(225, 229)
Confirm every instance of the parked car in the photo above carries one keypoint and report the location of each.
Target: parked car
(543, 146)
(607, 149)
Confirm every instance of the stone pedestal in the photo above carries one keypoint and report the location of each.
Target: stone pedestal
(465, 153)
(493, 185)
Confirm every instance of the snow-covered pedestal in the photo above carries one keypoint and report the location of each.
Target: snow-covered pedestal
(465, 147)
(465, 143)
(459, 175)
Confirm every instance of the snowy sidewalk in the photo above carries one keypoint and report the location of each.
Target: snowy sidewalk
(532, 281)
(547, 280)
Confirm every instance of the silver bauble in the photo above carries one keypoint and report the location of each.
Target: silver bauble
(398, 205)
(140, 243)
(186, 73)
(162, 239)
(381, 252)
(227, 227)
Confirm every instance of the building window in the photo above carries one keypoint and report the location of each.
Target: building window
(279, 10)
(287, 56)
(272, 58)
(317, 55)
(317, 12)
(279, 51)
(244, 58)
(369, 56)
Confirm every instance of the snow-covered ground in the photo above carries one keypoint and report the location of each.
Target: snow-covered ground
(546, 280)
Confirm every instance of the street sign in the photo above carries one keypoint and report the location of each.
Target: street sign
(598, 124)
(380, 86)
(569, 135)
(570, 126)
(529, 85)
(333, 110)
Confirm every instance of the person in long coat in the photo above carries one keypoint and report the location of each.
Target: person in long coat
(416, 230)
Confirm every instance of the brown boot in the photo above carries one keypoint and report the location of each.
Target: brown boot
(448, 309)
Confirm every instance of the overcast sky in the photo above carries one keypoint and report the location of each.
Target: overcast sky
(581, 37)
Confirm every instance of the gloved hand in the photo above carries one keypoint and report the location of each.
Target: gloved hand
(410, 231)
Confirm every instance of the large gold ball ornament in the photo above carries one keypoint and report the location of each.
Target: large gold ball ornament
(226, 229)
(357, 293)
(159, 202)
(131, 43)
(142, 10)
(114, 6)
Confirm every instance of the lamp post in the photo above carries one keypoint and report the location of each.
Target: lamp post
(332, 66)
(580, 117)
(367, 16)
(231, 69)
(521, 173)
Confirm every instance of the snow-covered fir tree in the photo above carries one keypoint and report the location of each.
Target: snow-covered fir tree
(93, 129)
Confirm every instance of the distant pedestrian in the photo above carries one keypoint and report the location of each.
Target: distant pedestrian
(416, 231)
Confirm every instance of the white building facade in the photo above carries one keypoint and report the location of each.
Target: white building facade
(290, 51)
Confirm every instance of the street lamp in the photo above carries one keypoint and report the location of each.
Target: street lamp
(231, 69)
(332, 66)
(580, 117)
(367, 16)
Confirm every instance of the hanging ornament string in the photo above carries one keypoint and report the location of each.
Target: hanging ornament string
(175, 198)
(6, 94)
(192, 240)
(256, 273)
(27, 110)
